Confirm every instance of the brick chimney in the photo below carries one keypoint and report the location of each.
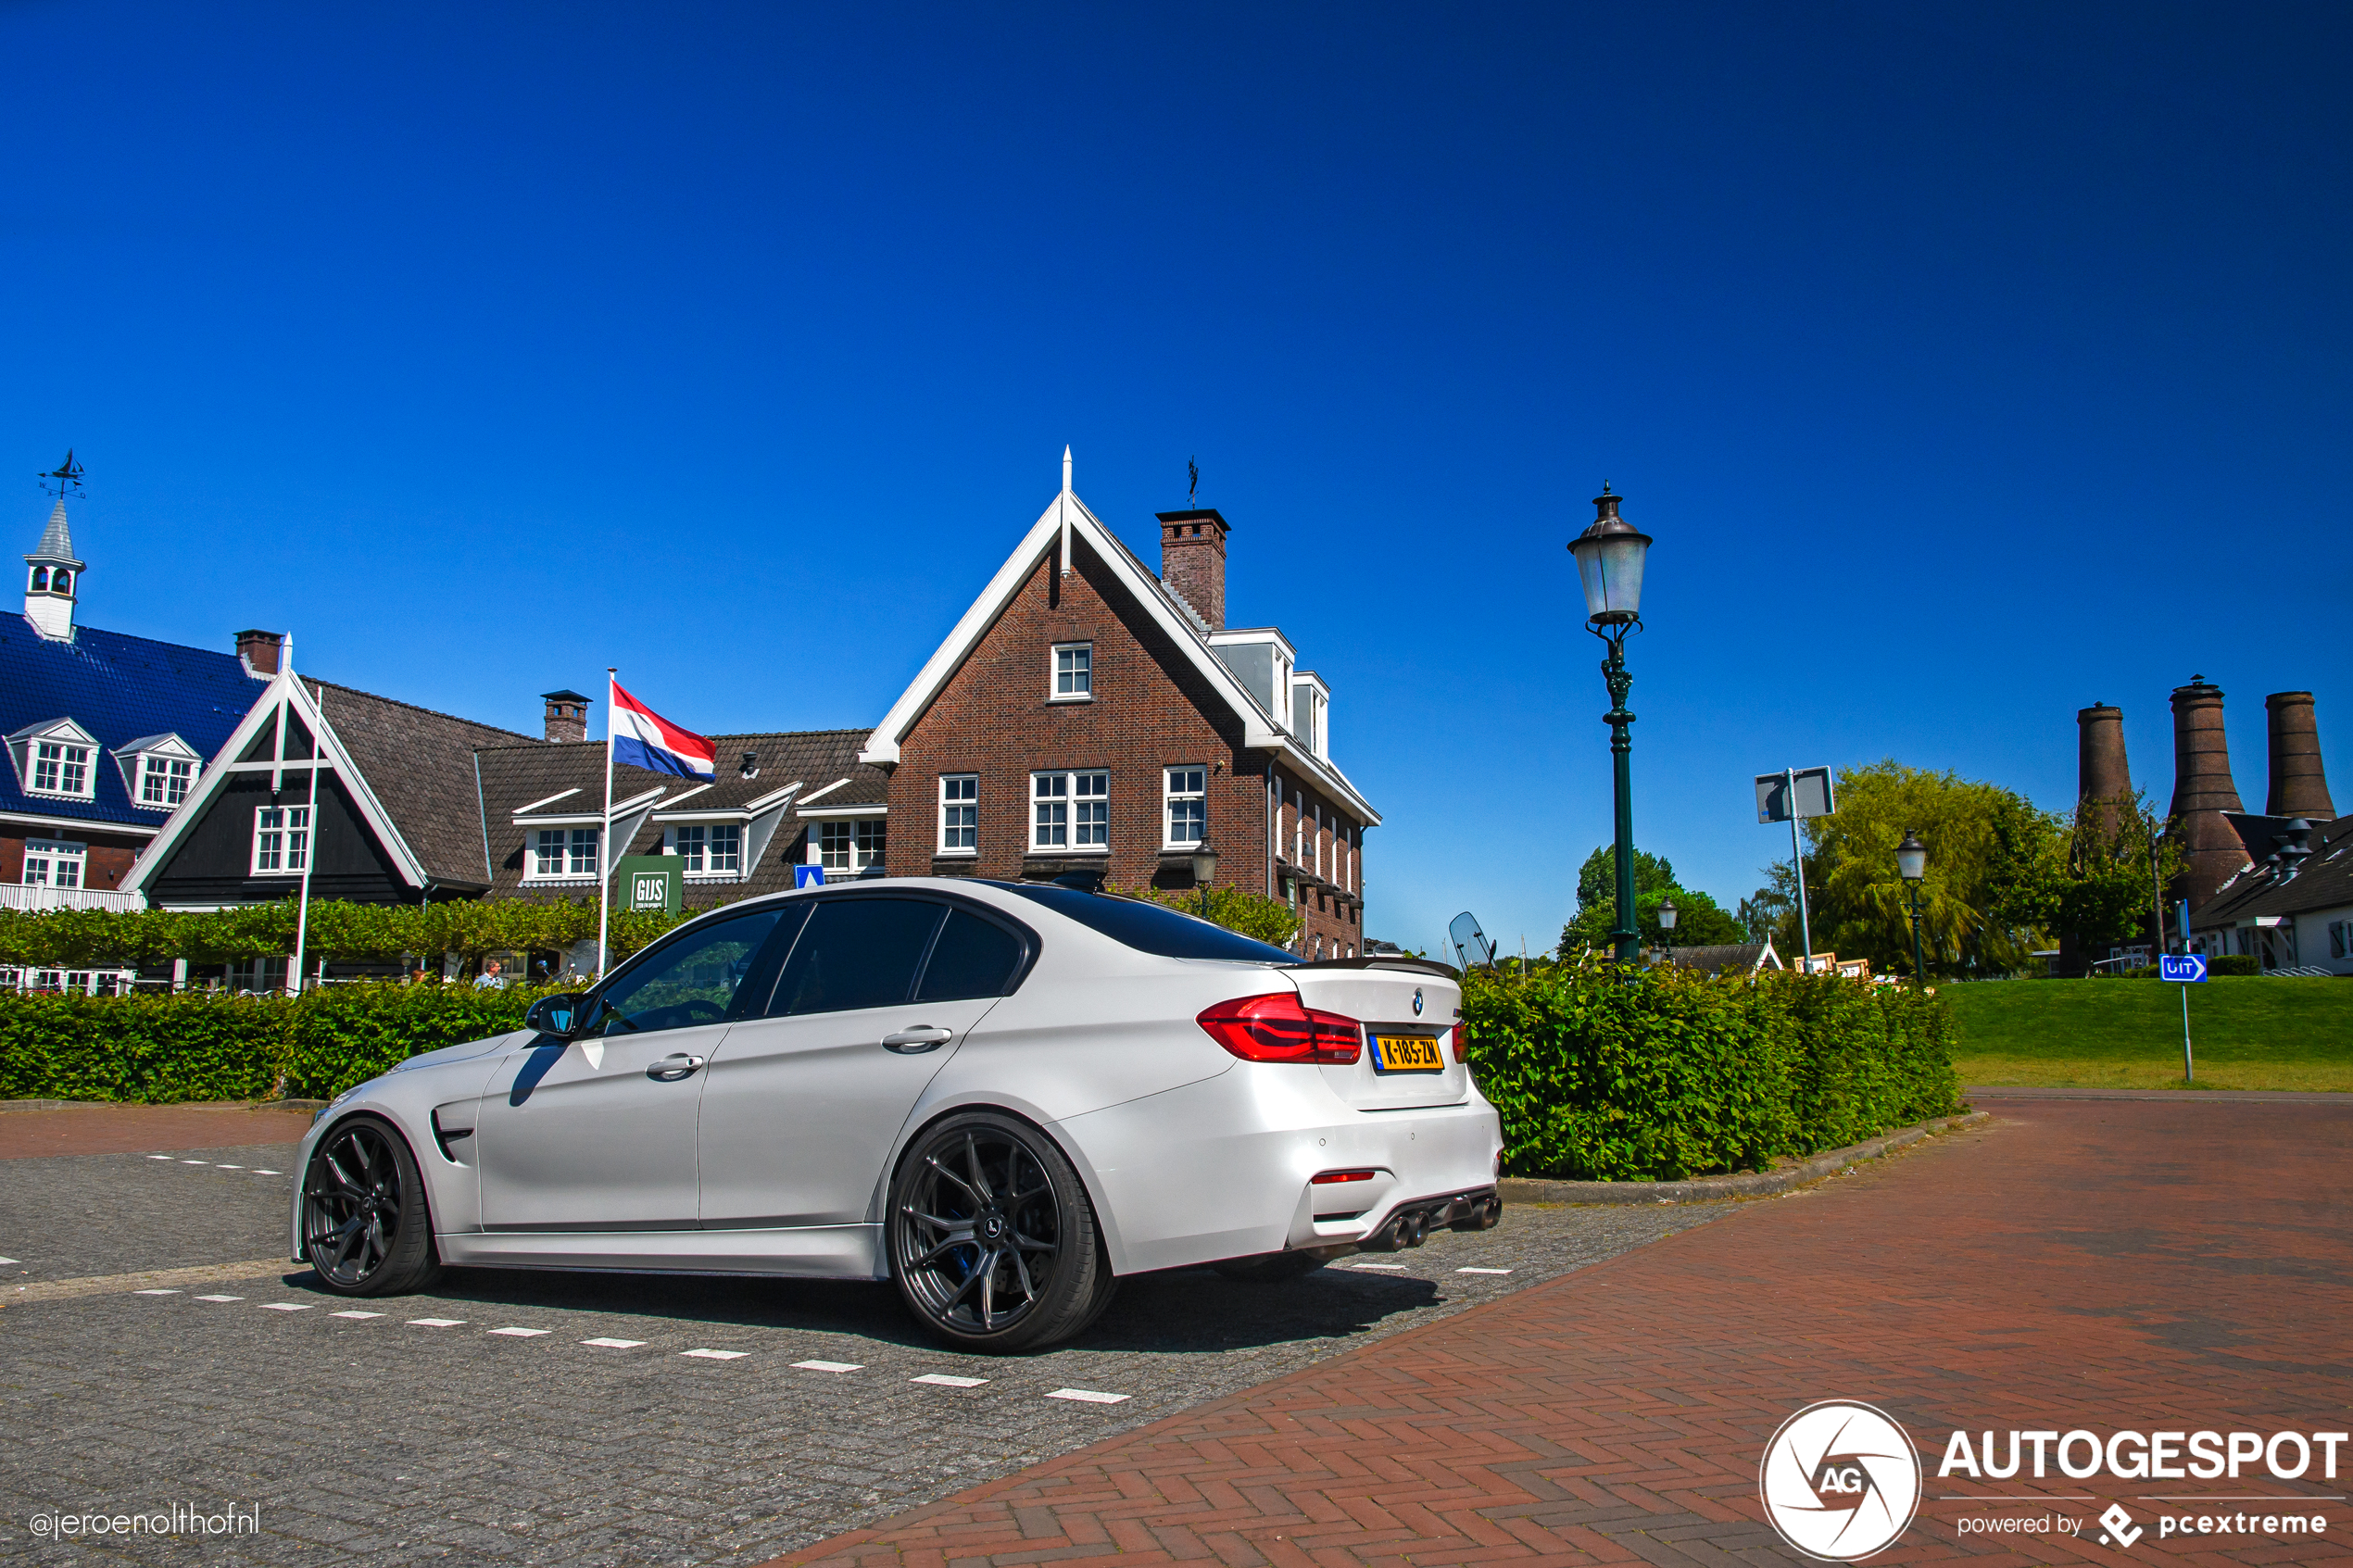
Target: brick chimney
(1192, 561)
(2298, 787)
(2202, 792)
(259, 650)
(567, 716)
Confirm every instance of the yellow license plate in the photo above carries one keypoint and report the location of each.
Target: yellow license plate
(1406, 1053)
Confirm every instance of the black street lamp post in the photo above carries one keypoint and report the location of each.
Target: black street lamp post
(1609, 566)
(1667, 913)
(1911, 864)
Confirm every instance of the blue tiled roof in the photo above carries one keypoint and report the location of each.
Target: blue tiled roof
(119, 688)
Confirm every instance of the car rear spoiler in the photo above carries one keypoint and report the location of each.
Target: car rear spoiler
(1423, 966)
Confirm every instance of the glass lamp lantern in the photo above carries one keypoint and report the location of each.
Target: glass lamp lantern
(1667, 913)
(1609, 565)
(1204, 864)
(1911, 859)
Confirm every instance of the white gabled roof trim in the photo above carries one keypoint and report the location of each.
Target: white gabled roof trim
(286, 689)
(1260, 733)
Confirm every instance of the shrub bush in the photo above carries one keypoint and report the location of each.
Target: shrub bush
(1605, 1073)
(167, 1046)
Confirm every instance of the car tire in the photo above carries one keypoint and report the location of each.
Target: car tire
(366, 1226)
(992, 1241)
(1270, 1268)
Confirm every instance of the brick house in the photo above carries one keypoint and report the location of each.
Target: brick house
(1086, 715)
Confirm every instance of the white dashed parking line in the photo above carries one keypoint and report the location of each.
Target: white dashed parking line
(159, 1156)
(520, 1333)
(434, 1322)
(354, 1314)
(159, 1293)
(287, 1306)
(1087, 1395)
(269, 1172)
(228, 1167)
(1384, 1268)
(615, 1344)
(1482, 1271)
(831, 1366)
(717, 1355)
(7, 1261)
(944, 1381)
(219, 1297)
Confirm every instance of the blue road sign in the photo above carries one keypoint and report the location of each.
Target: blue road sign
(814, 876)
(2180, 966)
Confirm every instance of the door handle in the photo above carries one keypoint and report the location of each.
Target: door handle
(671, 1068)
(922, 1037)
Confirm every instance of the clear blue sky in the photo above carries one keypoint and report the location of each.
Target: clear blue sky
(1968, 363)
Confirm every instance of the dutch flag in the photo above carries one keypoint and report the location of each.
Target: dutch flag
(645, 739)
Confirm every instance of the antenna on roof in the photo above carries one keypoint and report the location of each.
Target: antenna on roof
(1193, 485)
(63, 480)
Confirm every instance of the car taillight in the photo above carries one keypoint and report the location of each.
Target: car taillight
(1329, 1178)
(1277, 1028)
(1462, 1040)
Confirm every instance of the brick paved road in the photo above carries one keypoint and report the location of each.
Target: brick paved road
(2102, 1264)
(394, 1442)
(122, 1129)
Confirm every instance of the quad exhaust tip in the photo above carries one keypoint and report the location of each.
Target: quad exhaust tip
(1411, 1225)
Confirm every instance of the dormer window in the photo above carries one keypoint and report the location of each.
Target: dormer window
(56, 759)
(164, 781)
(157, 770)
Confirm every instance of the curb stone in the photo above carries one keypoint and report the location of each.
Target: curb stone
(1745, 1183)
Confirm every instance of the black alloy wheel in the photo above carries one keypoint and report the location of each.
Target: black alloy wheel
(365, 1227)
(992, 1241)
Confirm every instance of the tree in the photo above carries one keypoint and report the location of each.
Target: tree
(2119, 855)
(1997, 876)
(1700, 922)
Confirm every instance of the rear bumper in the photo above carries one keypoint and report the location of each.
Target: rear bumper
(1225, 1168)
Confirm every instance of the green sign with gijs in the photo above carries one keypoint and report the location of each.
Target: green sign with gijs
(649, 882)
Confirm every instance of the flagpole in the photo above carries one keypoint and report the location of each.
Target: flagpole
(309, 835)
(604, 839)
(309, 845)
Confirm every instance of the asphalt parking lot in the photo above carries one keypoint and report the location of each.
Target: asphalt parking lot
(515, 1417)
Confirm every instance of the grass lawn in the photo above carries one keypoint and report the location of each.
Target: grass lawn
(2245, 1033)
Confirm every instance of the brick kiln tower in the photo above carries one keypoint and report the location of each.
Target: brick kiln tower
(2298, 787)
(2202, 792)
(2100, 770)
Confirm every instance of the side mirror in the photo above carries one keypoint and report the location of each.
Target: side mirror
(564, 1015)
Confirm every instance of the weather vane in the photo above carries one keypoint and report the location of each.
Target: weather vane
(63, 480)
(1192, 483)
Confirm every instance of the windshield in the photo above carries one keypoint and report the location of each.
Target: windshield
(1149, 928)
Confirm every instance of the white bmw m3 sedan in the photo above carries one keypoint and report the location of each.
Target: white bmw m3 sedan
(1004, 1096)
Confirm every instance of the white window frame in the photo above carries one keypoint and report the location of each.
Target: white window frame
(63, 863)
(1183, 783)
(74, 764)
(280, 840)
(698, 846)
(846, 846)
(1080, 677)
(1070, 811)
(959, 814)
(157, 767)
(574, 847)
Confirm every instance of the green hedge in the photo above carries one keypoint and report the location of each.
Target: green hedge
(1612, 1074)
(168, 1047)
(79, 938)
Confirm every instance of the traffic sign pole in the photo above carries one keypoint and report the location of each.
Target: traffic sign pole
(2187, 970)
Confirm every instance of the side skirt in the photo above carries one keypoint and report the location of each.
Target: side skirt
(802, 1252)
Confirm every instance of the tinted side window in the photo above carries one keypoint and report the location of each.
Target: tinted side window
(973, 958)
(856, 953)
(692, 980)
(1149, 928)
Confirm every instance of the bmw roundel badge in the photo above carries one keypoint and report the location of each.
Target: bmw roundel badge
(1417, 1004)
